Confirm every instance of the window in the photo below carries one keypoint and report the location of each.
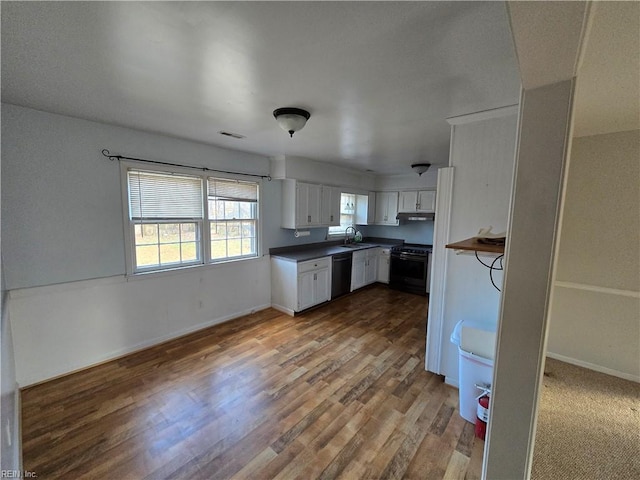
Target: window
(233, 216)
(347, 214)
(174, 223)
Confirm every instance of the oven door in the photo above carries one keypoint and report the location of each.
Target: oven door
(409, 272)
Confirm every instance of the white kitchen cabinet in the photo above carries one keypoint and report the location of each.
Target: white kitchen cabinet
(313, 288)
(386, 208)
(366, 209)
(417, 201)
(296, 286)
(330, 206)
(364, 268)
(384, 264)
(427, 201)
(371, 266)
(307, 205)
(357, 269)
(407, 201)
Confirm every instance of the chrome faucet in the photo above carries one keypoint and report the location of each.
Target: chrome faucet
(346, 233)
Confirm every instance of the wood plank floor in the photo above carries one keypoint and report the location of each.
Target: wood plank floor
(337, 392)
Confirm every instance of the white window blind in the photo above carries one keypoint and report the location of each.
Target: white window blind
(232, 190)
(164, 196)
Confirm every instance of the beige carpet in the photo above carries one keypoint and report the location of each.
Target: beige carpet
(588, 426)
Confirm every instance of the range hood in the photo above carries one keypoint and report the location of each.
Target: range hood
(415, 216)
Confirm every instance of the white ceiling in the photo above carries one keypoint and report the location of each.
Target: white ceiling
(597, 42)
(607, 94)
(379, 78)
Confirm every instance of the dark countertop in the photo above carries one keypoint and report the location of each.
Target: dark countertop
(301, 253)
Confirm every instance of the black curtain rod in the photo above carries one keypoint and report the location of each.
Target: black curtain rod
(107, 154)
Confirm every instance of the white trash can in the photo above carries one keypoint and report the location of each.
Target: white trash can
(476, 347)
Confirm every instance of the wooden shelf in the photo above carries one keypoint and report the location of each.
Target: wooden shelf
(471, 244)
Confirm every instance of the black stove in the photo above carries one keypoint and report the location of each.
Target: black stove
(410, 268)
(413, 248)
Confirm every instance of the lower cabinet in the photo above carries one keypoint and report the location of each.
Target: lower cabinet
(314, 287)
(371, 266)
(364, 268)
(384, 265)
(296, 286)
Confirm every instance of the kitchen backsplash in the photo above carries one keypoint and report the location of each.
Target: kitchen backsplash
(417, 232)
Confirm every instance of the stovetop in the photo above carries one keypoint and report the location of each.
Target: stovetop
(415, 248)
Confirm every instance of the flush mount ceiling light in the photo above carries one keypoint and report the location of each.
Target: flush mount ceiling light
(291, 119)
(420, 168)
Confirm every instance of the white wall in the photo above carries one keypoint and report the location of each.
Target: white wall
(300, 168)
(10, 441)
(61, 201)
(426, 181)
(412, 232)
(482, 153)
(9, 400)
(595, 314)
(63, 246)
(77, 324)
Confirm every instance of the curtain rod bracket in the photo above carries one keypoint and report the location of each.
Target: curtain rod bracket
(107, 154)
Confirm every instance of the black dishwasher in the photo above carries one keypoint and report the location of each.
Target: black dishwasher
(341, 274)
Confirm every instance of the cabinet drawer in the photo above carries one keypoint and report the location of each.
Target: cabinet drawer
(314, 264)
(372, 252)
(359, 255)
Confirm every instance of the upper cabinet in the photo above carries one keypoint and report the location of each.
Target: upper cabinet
(427, 201)
(386, 208)
(407, 201)
(306, 205)
(309, 205)
(417, 201)
(330, 208)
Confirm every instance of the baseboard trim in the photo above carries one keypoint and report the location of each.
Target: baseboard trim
(116, 355)
(452, 381)
(282, 309)
(594, 288)
(594, 367)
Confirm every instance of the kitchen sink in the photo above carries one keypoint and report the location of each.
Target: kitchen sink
(357, 245)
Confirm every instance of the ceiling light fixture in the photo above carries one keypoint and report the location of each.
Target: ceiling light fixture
(291, 119)
(420, 168)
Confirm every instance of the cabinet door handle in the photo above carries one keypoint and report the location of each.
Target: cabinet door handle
(315, 276)
(332, 218)
(308, 218)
